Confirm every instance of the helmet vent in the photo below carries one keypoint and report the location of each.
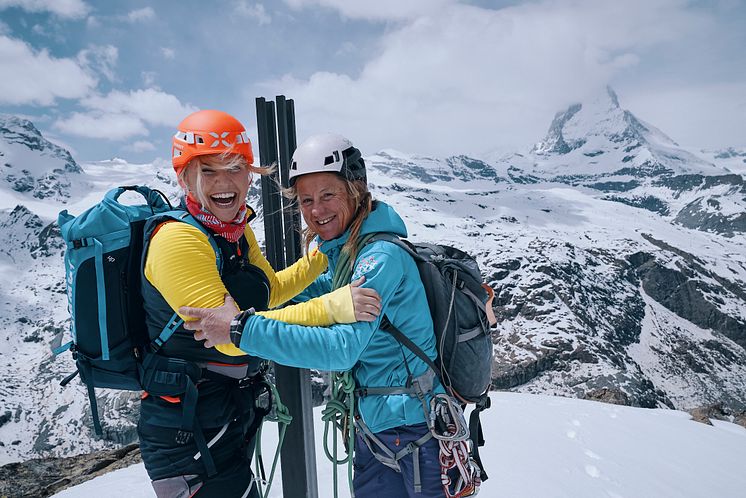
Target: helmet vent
(200, 140)
(328, 160)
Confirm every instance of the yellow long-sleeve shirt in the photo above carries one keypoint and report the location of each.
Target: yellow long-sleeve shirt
(180, 264)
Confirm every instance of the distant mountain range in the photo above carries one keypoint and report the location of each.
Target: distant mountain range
(617, 257)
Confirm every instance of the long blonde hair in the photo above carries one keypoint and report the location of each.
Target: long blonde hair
(225, 160)
(362, 199)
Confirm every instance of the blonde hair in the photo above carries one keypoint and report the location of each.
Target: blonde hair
(225, 160)
(362, 200)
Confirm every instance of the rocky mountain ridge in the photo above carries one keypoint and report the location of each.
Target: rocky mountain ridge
(621, 280)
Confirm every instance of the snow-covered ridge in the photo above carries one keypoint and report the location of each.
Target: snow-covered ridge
(626, 285)
(32, 166)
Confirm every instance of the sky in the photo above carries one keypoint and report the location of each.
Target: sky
(435, 77)
(539, 445)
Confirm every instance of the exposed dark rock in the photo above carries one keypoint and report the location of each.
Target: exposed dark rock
(43, 477)
(648, 202)
(685, 297)
(608, 395)
(695, 216)
(717, 411)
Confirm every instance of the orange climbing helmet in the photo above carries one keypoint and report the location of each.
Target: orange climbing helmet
(209, 132)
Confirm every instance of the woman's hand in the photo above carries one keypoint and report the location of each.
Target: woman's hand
(365, 301)
(213, 325)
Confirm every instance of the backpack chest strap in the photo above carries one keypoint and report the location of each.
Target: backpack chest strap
(418, 387)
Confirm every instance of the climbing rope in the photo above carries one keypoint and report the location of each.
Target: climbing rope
(279, 413)
(339, 413)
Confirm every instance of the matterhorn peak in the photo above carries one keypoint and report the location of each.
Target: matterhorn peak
(600, 116)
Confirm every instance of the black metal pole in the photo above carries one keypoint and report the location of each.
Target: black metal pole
(286, 136)
(298, 454)
(268, 155)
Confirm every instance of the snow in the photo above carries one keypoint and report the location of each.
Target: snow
(554, 447)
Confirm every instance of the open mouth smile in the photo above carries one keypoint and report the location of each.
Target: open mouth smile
(223, 199)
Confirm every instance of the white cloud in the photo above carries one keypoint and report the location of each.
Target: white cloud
(31, 77)
(148, 78)
(122, 115)
(98, 124)
(711, 114)
(138, 15)
(72, 9)
(100, 60)
(168, 53)
(142, 146)
(466, 79)
(255, 11)
(380, 10)
(150, 105)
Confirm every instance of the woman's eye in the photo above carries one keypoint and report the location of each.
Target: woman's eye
(327, 196)
(305, 202)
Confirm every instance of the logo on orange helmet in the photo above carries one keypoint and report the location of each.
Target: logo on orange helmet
(209, 132)
(330, 153)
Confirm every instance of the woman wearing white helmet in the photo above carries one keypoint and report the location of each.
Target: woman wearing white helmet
(198, 416)
(395, 455)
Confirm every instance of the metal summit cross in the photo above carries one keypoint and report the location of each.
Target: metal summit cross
(276, 123)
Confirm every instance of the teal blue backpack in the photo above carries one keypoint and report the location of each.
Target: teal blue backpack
(103, 269)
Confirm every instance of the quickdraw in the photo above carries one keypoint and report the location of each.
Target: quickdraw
(455, 454)
(447, 422)
(448, 425)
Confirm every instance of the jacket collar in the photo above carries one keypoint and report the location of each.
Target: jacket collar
(382, 218)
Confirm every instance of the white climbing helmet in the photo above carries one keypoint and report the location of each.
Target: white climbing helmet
(327, 152)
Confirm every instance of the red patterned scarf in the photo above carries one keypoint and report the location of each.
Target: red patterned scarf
(230, 231)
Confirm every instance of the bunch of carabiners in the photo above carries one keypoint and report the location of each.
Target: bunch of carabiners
(448, 425)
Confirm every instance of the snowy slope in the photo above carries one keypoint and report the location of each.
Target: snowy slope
(554, 448)
(598, 295)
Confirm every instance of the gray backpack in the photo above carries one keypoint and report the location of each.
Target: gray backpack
(458, 305)
(457, 301)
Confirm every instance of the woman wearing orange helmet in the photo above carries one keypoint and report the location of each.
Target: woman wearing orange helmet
(197, 439)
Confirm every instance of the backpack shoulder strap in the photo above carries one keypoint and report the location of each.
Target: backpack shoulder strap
(396, 240)
(385, 322)
(405, 341)
(183, 216)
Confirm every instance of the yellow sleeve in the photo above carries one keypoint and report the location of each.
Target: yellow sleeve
(181, 265)
(287, 283)
(335, 307)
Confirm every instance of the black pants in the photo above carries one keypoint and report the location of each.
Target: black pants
(228, 421)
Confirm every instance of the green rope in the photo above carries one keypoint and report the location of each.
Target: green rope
(340, 413)
(281, 415)
(340, 409)
(343, 270)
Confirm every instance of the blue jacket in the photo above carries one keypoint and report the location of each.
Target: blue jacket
(377, 357)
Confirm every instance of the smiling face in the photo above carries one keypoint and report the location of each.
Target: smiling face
(219, 183)
(325, 204)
